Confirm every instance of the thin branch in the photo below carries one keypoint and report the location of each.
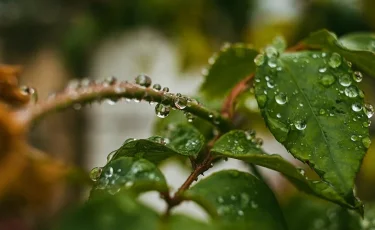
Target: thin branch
(116, 91)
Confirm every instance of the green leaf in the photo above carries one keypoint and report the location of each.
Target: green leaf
(180, 222)
(228, 67)
(110, 212)
(241, 145)
(241, 200)
(178, 139)
(311, 214)
(128, 173)
(358, 48)
(314, 108)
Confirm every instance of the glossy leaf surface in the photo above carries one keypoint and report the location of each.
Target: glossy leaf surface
(239, 199)
(358, 48)
(313, 106)
(229, 66)
(179, 139)
(241, 145)
(128, 173)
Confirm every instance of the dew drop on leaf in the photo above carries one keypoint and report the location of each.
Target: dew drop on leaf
(129, 140)
(366, 142)
(143, 80)
(327, 80)
(262, 99)
(95, 173)
(161, 110)
(108, 172)
(259, 60)
(272, 62)
(300, 125)
(270, 84)
(189, 116)
(271, 52)
(366, 124)
(110, 155)
(369, 110)
(254, 205)
(357, 76)
(250, 134)
(166, 89)
(356, 107)
(281, 98)
(351, 91)
(322, 70)
(354, 138)
(334, 60)
(345, 80)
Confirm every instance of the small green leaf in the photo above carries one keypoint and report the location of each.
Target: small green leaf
(179, 139)
(110, 212)
(128, 173)
(241, 145)
(239, 199)
(358, 48)
(313, 106)
(228, 67)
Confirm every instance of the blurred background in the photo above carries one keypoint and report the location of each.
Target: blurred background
(170, 40)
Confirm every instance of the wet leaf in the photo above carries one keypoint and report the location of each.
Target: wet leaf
(239, 199)
(305, 213)
(110, 212)
(358, 48)
(180, 222)
(241, 145)
(313, 106)
(128, 173)
(229, 66)
(178, 139)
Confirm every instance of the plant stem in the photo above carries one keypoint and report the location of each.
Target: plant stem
(118, 90)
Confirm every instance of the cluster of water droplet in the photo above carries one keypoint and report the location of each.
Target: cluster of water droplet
(251, 136)
(114, 178)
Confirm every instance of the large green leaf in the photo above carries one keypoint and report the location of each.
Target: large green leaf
(128, 173)
(178, 139)
(228, 67)
(241, 145)
(241, 200)
(358, 48)
(313, 106)
(110, 212)
(302, 212)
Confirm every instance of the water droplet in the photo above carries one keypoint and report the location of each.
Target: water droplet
(322, 111)
(366, 124)
(356, 107)
(301, 171)
(129, 140)
(334, 60)
(156, 87)
(204, 72)
(278, 115)
(129, 184)
(240, 212)
(354, 138)
(180, 102)
(279, 43)
(300, 125)
(110, 155)
(161, 110)
(366, 142)
(108, 81)
(369, 110)
(322, 69)
(189, 116)
(272, 62)
(220, 199)
(143, 80)
(281, 98)
(351, 91)
(259, 60)
(271, 52)
(166, 89)
(250, 134)
(270, 84)
(327, 80)
(258, 142)
(262, 99)
(345, 80)
(357, 76)
(108, 172)
(95, 173)
(254, 205)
